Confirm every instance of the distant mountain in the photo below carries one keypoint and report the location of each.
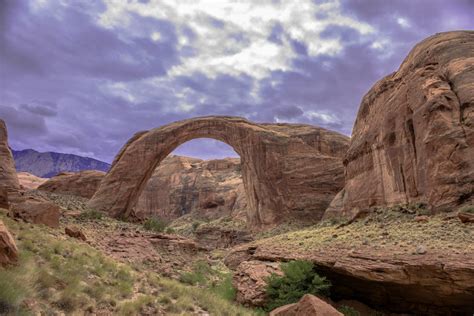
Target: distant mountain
(47, 165)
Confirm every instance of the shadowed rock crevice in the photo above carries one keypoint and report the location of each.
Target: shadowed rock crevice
(290, 171)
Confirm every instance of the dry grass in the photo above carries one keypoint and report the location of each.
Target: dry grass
(384, 229)
(58, 274)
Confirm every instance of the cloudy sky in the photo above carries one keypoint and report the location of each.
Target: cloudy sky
(82, 76)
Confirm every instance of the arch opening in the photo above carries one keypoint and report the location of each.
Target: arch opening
(201, 177)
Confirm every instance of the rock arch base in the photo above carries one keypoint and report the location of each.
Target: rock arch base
(290, 172)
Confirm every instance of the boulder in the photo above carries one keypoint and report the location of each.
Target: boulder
(75, 232)
(413, 139)
(290, 172)
(8, 249)
(308, 305)
(83, 183)
(250, 282)
(37, 212)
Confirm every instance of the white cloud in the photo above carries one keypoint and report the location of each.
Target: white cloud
(403, 22)
(323, 117)
(233, 37)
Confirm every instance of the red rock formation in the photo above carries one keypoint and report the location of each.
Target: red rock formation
(4, 198)
(421, 284)
(8, 180)
(413, 139)
(308, 305)
(37, 212)
(75, 232)
(8, 249)
(182, 185)
(250, 281)
(289, 171)
(83, 183)
(29, 181)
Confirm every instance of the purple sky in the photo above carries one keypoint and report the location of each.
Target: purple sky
(81, 78)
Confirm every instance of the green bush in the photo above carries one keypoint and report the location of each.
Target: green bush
(348, 311)
(199, 274)
(155, 225)
(90, 215)
(225, 289)
(299, 279)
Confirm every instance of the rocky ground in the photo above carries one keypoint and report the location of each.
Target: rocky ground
(372, 254)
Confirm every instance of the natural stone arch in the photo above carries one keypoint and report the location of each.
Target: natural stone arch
(289, 171)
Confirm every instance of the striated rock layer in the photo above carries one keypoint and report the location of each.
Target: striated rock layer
(181, 185)
(431, 284)
(8, 249)
(8, 178)
(83, 183)
(413, 139)
(290, 172)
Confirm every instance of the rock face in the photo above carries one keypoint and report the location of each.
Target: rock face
(49, 164)
(182, 185)
(250, 281)
(413, 139)
(221, 237)
(307, 305)
(29, 181)
(404, 283)
(83, 183)
(290, 172)
(37, 212)
(8, 178)
(8, 249)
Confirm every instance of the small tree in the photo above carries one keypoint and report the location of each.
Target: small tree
(299, 279)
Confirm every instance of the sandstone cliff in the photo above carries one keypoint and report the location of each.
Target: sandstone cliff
(181, 185)
(413, 140)
(9, 183)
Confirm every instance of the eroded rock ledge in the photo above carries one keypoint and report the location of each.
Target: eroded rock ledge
(432, 284)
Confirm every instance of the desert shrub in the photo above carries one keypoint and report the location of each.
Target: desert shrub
(225, 289)
(467, 209)
(90, 215)
(299, 278)
(170, 230)
(134, 307)
(199, 274)
(195, 226)
(348, 311)
(155, 225)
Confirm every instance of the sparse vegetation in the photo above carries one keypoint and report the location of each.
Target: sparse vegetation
(467, 209)
(90, 215)
(299, 278)
(64, 275)
(155, 225)
(348, 311)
